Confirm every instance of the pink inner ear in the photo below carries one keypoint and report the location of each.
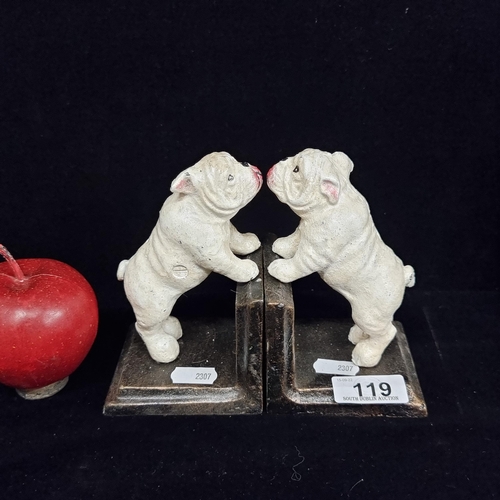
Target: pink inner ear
(183, 185)
(331, 191)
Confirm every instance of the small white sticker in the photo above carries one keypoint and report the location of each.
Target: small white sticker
(332, 367)
(194, 375)
(370, 390)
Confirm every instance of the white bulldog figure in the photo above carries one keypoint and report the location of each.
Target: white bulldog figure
(336, 237)
(193, 236)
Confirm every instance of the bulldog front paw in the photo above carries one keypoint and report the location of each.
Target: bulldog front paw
(283, 248)
(248, 270)
(279, 270)
(248, 244)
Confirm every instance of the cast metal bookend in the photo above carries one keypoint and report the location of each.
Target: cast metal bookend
(294, 344)
(232, 347)
(221, 370)
(337, 239)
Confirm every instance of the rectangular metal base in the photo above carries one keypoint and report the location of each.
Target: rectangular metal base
(142, 386)
(293, 386)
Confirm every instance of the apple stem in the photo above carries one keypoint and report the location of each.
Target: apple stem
(12, 262)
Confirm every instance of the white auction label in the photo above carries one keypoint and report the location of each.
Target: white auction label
(332, 367)
(194, 375)
(370, 389)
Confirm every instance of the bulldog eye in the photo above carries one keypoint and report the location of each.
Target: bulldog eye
(296, 169)
(230, 177)
(245, 163)
(285, 159)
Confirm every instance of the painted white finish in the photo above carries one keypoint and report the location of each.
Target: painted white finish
(192, 238)
(336, 237)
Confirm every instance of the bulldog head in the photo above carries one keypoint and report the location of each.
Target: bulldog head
(222, 184)
(310, 179)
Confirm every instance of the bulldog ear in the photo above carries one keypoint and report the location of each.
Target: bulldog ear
(183, 183)
(331, 189)
(343, 163)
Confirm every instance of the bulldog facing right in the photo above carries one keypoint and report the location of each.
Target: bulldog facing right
(192, 238)
(336, 237)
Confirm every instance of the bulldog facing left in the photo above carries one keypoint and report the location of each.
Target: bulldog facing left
(337, 238)
(192, 238)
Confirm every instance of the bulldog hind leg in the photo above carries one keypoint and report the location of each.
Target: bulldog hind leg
(161, 347)
(158, 329)
(172, 326)
(372, 333)
(369, 350)
(356, 335)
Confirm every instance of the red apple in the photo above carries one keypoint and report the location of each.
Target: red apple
(48, 321)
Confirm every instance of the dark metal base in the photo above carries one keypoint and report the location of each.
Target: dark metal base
(142, 386)
(293, 386)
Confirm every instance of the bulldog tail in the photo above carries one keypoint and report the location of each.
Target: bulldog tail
(120, 273)
(409, 276)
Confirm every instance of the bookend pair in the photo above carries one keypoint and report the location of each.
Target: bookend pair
(261, 362)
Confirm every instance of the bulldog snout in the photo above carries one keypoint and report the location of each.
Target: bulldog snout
(258, 175)
(270, 175)
(256, 170)
(253, 167)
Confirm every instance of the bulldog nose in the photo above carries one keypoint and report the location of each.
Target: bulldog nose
(256, 170)
(270, 173)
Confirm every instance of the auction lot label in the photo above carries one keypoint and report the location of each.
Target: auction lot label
(194, 375)
(370, 390)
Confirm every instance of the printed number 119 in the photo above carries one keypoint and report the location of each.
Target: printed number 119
(384, 387)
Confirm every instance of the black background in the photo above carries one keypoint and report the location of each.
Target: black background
(104, 103)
